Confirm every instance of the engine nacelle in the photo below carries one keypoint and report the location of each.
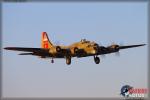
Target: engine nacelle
(58, 49)
(115, 47)
(76, 50)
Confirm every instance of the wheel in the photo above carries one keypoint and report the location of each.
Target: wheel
(52, 61)
(97, 60)
(68, 60)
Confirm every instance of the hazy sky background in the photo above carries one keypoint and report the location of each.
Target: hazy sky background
(68, 22)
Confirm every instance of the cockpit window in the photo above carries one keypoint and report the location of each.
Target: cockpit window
(84, 41)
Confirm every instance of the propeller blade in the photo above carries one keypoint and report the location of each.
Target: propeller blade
(103, 56)
(57, 42)
(117, 53)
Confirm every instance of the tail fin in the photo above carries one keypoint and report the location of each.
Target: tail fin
(45, 43)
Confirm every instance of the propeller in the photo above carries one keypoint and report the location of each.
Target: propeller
(114, 46)
(103, 56)
(117, 53)
(120, 45)
(117, 47)
(57, 42)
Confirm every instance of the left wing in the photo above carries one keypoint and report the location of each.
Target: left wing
(115, 48)
(31, 51)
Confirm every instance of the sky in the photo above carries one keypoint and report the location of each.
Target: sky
(124, 23)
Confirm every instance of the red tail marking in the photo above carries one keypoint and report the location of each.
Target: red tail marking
(45, 40)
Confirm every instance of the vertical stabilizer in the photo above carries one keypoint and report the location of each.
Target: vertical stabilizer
(45, 43)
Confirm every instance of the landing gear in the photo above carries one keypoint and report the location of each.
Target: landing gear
(96, 59)
(68, 60)
(52, 61)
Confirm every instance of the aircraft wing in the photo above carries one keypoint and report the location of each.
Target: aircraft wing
(31, 51)
(130, 46)
(115, 48)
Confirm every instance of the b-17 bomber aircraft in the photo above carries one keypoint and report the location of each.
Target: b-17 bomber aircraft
(79, 49)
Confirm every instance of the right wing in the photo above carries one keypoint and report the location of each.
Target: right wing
(115, 48)
(30, 51)
(130, 46)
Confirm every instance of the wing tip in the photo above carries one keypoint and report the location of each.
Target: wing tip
(7, 48)
(142, 44)
(10, 48)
